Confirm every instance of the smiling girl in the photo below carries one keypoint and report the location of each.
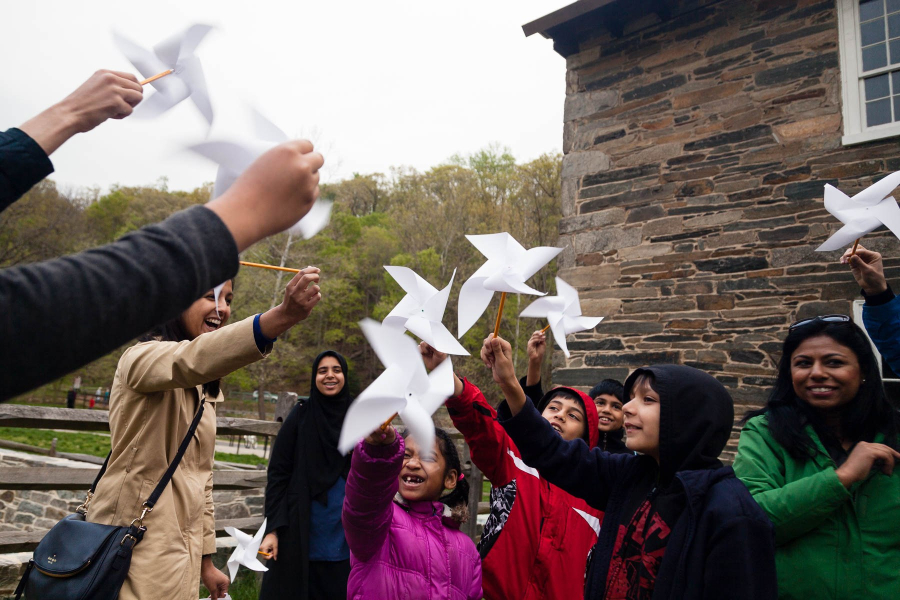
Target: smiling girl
(402, 513)
(158, 388)
(819, 459)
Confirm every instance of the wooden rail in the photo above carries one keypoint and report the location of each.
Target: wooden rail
(75, 419)
(26, 541)
(65, 478)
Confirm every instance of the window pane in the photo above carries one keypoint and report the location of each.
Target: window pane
(870, 9)
(895, 51)
(871, 32)
(897, 105)
(874, 57)
(894, 25)
(895, 79)
(893, 5)
(878, 87)
(878, 112)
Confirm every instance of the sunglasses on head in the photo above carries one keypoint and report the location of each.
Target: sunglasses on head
(823, 318)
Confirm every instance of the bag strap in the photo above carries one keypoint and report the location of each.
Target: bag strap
(167, 476)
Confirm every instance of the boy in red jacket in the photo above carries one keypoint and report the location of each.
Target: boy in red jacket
(537, 537)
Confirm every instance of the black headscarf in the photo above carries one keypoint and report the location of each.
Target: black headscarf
(318, 433)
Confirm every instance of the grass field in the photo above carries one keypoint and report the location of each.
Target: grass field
(93, 444)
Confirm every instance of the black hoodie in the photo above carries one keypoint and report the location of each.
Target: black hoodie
(711, 541)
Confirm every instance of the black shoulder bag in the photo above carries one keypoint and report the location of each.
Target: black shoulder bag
(78, 560)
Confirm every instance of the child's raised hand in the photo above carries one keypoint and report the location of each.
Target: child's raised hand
(501, 353)
(382, 438)
(867, 268)
(431, 357)
(537, 347)
(487, 352)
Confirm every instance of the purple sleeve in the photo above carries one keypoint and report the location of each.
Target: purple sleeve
(371, 485)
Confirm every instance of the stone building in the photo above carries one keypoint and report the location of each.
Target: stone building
(698, 136)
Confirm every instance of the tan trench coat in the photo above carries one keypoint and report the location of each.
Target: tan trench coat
(155, 395)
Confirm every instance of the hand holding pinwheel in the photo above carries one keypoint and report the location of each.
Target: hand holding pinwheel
(174, 70)
(863, 213)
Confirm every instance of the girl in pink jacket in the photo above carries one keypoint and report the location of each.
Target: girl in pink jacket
(406, 544)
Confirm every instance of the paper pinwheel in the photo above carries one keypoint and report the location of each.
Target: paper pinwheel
(422, 309)
(863, 213)
(217, 291)
(246, 551)
(403, 388)
(187, 79)
(563, 311)
(235, 156)
(508, 267)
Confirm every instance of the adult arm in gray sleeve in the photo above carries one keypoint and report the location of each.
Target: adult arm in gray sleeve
(63, 313)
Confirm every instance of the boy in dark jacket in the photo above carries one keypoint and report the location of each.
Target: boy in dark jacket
(678, 525)
(537, 537)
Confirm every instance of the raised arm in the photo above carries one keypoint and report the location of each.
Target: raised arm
(63, 313)
(24, 152)
(572, 466)
(371, 485)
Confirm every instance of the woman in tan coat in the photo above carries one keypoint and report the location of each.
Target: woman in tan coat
(156, 393)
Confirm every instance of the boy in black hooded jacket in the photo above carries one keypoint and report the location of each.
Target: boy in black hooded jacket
(678, 525)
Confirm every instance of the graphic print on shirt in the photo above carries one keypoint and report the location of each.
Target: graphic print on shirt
(502, 499)
(637, 554)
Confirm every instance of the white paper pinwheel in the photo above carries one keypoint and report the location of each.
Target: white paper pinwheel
(422, 309)
(235, 156)
(563, 311)
(508, 267)
(403, 388)
(176, 53)
(246, 551)
(863, 213)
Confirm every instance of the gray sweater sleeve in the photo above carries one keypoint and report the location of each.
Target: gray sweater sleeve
(61, 314)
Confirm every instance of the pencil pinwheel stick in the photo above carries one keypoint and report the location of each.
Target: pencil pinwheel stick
(158, 76)
(855, 244)
(544, 330)
(266, 554)
(274, 268)
(387, 423)
(499, 314)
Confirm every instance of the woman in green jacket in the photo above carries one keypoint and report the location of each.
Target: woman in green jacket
(819, 459)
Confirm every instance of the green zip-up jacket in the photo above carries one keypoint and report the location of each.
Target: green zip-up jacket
(831, 542)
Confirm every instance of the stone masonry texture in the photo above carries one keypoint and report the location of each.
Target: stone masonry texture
(699, 147)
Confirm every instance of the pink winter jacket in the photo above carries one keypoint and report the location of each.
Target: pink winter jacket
(402, 552)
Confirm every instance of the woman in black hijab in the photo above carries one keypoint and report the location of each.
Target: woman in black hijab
(305, 493)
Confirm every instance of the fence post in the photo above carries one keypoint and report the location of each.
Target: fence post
(52, 448)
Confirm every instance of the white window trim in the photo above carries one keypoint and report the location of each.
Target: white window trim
(858, 319)
(855, 131)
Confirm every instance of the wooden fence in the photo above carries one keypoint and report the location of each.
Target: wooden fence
(63, 478)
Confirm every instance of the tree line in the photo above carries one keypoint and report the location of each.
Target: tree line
(406, 217)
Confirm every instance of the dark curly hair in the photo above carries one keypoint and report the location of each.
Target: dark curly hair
(608, 386)
(866, 415)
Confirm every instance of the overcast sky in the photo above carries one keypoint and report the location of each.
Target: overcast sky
(374, 84)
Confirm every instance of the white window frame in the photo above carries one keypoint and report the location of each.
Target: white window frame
(852, 92)
(858, 319)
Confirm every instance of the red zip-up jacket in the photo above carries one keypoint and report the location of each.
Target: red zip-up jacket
(537, 537)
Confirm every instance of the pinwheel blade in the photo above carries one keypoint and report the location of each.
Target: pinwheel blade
(878, 191)
(473, 301)
(420, 426)
(315, 220)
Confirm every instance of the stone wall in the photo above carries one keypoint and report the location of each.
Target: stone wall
(696, 151)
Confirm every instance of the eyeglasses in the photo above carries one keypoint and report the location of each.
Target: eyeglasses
(823, 318)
